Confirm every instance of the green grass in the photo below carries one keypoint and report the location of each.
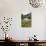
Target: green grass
(26, 24)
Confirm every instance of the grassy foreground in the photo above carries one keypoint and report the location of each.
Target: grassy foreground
(26, 23)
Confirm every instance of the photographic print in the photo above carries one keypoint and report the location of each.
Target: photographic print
(26, 20)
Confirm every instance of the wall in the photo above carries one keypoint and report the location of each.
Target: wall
(14, 8)
(45, 28)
